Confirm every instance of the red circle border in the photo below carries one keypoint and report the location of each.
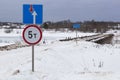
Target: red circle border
(35, 26)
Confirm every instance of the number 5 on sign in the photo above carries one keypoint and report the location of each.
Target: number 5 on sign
(32, 34)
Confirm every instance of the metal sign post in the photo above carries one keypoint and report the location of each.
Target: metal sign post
(76, 36)
(33, 58)
(34, 22)
(32, 34)
(76, 26)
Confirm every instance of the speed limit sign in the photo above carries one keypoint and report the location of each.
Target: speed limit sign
(32, 34)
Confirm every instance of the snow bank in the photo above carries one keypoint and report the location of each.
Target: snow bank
(63, 61)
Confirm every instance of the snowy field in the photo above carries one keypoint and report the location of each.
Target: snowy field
(48, 36)
(10, 38)
(62, 60)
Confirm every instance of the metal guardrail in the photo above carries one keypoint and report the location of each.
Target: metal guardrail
(94, 38)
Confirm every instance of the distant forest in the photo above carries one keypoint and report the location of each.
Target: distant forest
(86, 26)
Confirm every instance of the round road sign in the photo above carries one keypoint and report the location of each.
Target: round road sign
(32, 34)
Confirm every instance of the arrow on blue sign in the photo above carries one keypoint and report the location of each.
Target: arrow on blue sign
(32, 14)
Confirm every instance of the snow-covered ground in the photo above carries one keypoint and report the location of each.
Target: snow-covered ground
(48, 36)
(10, 38)
(57, 60)
(5, 44)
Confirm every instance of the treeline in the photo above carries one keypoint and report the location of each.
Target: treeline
(86, 26)
(9, 23)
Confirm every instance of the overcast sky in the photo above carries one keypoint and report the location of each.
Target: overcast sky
(57, 10)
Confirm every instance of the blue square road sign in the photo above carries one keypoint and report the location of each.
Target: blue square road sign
(28, 17)
(76, 25)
